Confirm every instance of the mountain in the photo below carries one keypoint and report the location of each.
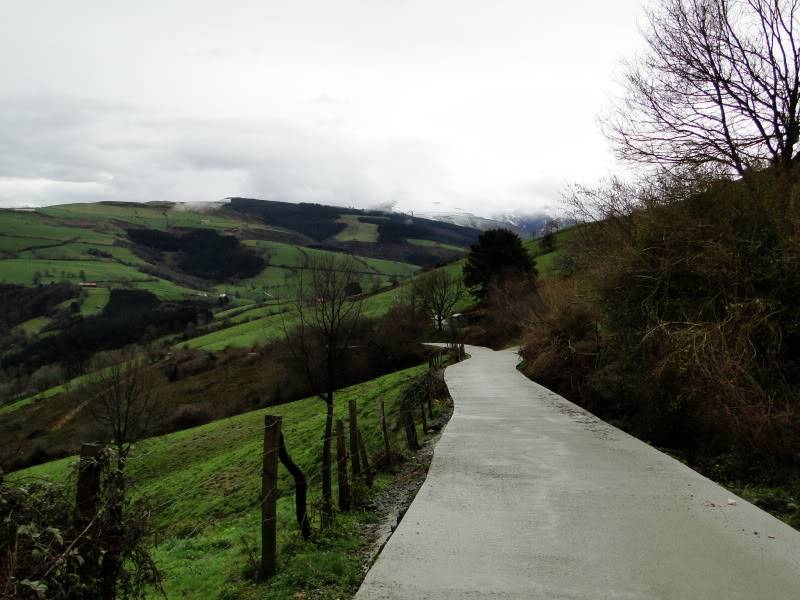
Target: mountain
(466, 219)
(524, 225)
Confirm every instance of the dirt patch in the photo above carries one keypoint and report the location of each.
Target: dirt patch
(67, 417)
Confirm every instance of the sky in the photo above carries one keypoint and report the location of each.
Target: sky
(488, 107)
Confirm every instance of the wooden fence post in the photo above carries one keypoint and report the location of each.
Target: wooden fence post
(89, 471)
(410, 428)
(365, 460)
(341, 467)
(424, 417)
(387, 447)
(354, 454)
(269, 496)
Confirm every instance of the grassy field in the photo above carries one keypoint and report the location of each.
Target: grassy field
(94, 301)
(59, 243)
(285, 255)
(37, 225)
(356, 231)
(244, 335)
(81, 251)
(205, 482)
(433, 244)
(387, 267)
(285, 262)
(547, 264)
(22, 271)
(14, 244)
(145, 215)
(33, 326)
(19, 270)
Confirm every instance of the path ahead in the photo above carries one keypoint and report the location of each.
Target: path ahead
(529, 496)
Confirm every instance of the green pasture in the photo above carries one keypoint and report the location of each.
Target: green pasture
(204, 485)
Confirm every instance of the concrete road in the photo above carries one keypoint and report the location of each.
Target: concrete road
(529, 496)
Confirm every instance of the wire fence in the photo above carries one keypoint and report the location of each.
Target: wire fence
(219, 512)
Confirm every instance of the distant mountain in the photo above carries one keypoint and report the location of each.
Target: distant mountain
(533, 225)
(463, 218)
(374, 233)
(530, 225)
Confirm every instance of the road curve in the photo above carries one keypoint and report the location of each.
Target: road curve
(530, 496)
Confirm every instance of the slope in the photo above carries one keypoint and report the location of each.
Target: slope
(204, 485)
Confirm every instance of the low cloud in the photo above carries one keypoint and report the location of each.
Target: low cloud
(75, 151)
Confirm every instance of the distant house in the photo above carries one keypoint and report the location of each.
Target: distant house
(87, 284)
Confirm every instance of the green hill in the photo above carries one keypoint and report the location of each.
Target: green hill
(205, 482)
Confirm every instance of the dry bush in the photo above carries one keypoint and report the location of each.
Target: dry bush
(681, 319)
(736, 397)
(560, 345)
(510, 303)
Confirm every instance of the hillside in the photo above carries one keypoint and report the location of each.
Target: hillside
(179, 251)
(175, 267)
(215, 373)
(207, 361)
(205, 481)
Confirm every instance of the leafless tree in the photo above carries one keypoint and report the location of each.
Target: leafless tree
(719, 83)
(439, 291)
(327, 319)
(124, 403)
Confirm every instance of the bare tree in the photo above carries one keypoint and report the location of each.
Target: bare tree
(124, 403)
(439, 291)
(327, 318)
(719, 84)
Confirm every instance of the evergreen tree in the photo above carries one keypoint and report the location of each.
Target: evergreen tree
(498, 254)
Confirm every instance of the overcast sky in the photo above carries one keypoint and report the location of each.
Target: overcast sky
(487, 106)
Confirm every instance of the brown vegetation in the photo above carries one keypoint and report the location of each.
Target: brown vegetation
(681, 321)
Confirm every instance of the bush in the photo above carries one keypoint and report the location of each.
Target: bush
(682, 319)
(48, 552)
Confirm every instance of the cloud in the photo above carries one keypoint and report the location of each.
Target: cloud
(68, 150)
(485, 106)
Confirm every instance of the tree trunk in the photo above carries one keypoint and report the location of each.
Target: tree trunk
(300, 489)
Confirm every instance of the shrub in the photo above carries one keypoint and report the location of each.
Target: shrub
(681, 319)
